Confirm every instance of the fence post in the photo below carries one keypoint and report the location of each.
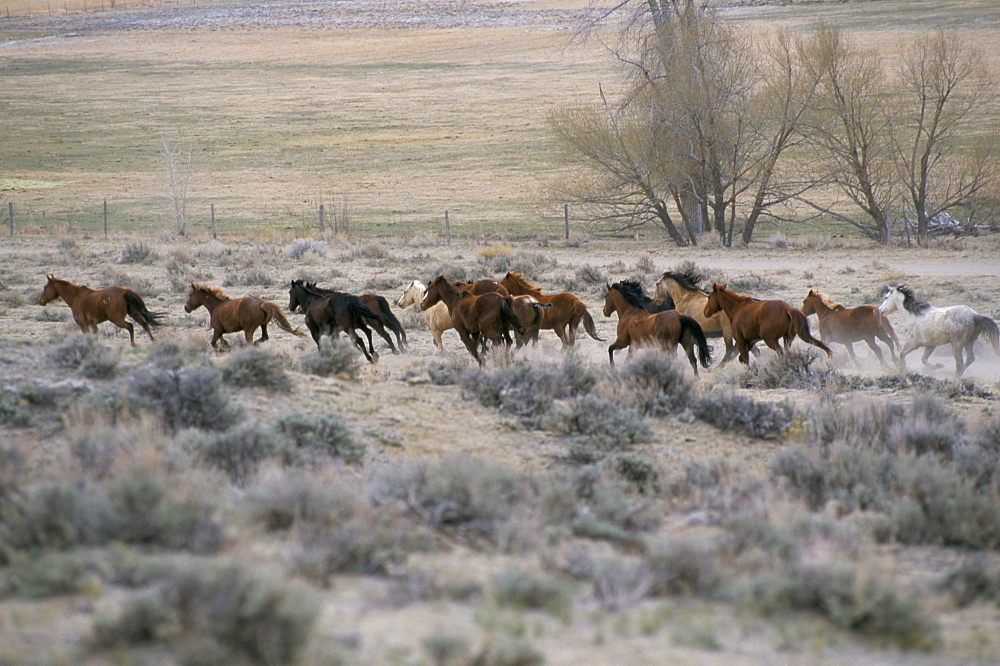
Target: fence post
(447, 228)
(322, 219)
(212, 208)
(566, 219)
(10, 216)
(105, 218)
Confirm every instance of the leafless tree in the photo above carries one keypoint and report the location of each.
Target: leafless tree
(179, 169)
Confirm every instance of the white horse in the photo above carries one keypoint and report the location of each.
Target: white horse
(437, 318)
(928, 326)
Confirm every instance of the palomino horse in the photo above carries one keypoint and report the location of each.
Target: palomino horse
(91, 307)
(231, 315)
(563, 317)
(436, 317)
(928, 326)
(637, 327)
(754, 320)
(849, 325)
(474, 317)
(375, 303)
(689, 299)
(329, 314)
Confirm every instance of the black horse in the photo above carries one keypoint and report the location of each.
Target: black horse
(377, 304)
(333, 313)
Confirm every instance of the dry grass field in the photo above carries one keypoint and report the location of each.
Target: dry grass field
(168, 504)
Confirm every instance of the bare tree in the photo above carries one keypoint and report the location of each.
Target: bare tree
(943, 85)
(179, 169)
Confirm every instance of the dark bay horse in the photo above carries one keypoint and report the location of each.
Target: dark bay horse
(329, 314)
(375, 303)
(754, 320)
(849, 325)
(91, 307)
(231, 315)
(665, 330)
(689, 299)
(565, 315)
(488, 315)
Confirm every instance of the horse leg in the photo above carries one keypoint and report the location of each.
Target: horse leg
(560, 331)
(884, 337)
(854, 358)
(471, 343)
(730, 350)
(961, 365)
(216, 336)
(878, 352)
(380, 329)
(353, 334)
(248, 334)
(927, 354)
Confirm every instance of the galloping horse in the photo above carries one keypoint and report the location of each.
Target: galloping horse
(754, 320)
(436, 317)
(563, 317)
(91, 307)
(329, 314)
(689, 299)
(928, 326)
(480, 287)
(230, 315)
(849, 325)
(375, 303)
(474, 317)
(637, 327)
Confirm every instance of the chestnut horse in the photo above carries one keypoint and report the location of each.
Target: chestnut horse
(689, 299)
(480, 287)
(91, 307)
(754, 320)
(474, 317)
(563, 317)
(230, 315)
(637, 327)
(849, 325)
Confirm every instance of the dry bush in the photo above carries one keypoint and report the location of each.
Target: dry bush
(339, 358)
(601, 423)
(254, 367)
(727, 410)
(86, 355)
(183, 397)
(135, 252)
(311, 437)
(238, 451)
(524, 588)
(654, 383)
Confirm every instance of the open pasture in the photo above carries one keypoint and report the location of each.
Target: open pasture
(166, 503)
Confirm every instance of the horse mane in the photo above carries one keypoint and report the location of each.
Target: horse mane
(826, 300)
(522, 282)
(910, 301)
(217, 292)
(633, 292)
(688, 279)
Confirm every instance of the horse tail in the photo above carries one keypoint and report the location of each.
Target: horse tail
(886, 327)
(390, 319)
(507, 314)
(360, 309)
(137, 310)
(690, 326)
(279, 318)
(588, 325)
(987, 327)
(801, 327)
(538, 311)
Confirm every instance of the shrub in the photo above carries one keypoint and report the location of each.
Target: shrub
(184, 397)
(599, 422)
(754, 283)
(135, 252)
(85, 354)
(325, 434)
(511, 651)
(446, 646)
(302, 245)
(252, 277)
(655, 383)
(255, 367)
(531, 264)
(48, 574)
(688, 566)
(636, 470)
(287, 496)
(793, 369)
(732, 411)
(237, 451)
(974, 579)
(13, 409)
(591, 276)
(216, 612)
(447, 372)
(340, 357)
(530, 589)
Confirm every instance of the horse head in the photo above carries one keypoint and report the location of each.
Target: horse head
(49, 293)
(434, 291)
(892, 301)
(714, 302)
(412, 294)
(294, 301)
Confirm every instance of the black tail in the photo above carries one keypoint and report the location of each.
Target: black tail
(689, 325)
(507, 314)
(988, 328)
(137, 310)
(390, 319)
(359, 309)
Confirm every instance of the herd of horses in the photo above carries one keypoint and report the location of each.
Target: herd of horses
(512, 311)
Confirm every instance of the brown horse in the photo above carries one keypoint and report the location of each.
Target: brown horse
(849, 325)
(689, 299)
(639, 328)
(230, 315)
(755, 320)
(475, 317)
(529, 311)
(563, 317)
(91, 307)
(480, 287)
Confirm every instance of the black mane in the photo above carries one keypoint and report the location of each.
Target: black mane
(911, 303)
(633, 292)
(688, 279)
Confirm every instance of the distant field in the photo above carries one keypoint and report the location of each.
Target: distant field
(396, 111)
